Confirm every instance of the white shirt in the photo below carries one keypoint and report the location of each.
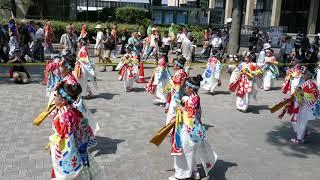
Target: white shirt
(181, 37)
(216, 41)
(166, 41)
(99, 39)
(39, 33)
(187, 49)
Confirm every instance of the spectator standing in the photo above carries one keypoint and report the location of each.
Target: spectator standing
(305, 44)
(315, 45)
(206, 37)
(180, 38)
(224, 42)
(172, 36)
(74, 41)
(66, 41)
(149, 30)
(48, 38)
(38, 50)
(253, 42)
(166, 44)
(286, 49)
(3, 45)
(13, 42)
(154, 39)
(124, 41)
(216, 44)
(114, 33)
(99, 43)
(135, 44)
(109, 46)
(297, 44)
(187, 47)
(260, 41)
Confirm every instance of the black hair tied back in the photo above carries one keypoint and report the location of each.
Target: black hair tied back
(72, 90)
(196, 80)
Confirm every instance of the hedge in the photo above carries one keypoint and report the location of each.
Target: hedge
(59, 28)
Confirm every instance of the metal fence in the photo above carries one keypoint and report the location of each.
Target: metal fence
(273, 34)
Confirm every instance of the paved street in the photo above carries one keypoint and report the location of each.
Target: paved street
(250, 146)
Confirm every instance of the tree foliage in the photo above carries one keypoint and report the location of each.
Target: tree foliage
(131, 14)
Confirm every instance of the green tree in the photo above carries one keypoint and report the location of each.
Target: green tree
(130, 14)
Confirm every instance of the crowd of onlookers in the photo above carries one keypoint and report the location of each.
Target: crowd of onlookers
(31, 41)
(300, 48)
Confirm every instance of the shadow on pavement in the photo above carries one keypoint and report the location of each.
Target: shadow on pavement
(280, 136)
(207, 126)
(222, 92)
(106, 145)
(275, 88)
(219, 170)
(139, 89)
(256, 109)
(106, 96)
(93, 111)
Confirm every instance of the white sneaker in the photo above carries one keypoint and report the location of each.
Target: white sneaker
(172, 178)
(195, 175)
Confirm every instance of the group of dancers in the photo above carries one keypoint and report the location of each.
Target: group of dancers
(73, 132)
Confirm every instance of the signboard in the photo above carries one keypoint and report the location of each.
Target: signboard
(275, 36)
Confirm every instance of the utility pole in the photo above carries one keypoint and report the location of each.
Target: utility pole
(87, 10)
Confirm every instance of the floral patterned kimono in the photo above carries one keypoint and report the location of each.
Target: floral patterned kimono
(292, 79)
(68, 146)
(52, 70)
(305, 108)
(128, 70)
(84, 70)
(242, 81)
(211, 75)
(159, 80)
(176, 90)
(270, 72)
(189, 144)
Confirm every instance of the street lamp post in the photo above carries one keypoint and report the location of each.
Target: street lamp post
(87, 10)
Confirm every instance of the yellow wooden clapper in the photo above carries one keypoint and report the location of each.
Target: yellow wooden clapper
(162, 133)
(44, 114)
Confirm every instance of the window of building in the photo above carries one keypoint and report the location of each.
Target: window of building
(157, 17)
(181, 17)
(219, 4)
(168, 17)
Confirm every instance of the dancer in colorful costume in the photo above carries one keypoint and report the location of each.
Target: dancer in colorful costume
(292, 79)
(304, 107)
(128, 70)
(84, 69)
(242, 81)
(52, 71)
(211, 75)
(175, 88)
(69, 140)
(189, 139)
(159, 80)
(66, 70)
(270, 70)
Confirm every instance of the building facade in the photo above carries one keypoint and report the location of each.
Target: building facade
(297, 15)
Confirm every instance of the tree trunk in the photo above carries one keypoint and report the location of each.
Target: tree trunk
(235, 31)
(42, 4)
(13, 8)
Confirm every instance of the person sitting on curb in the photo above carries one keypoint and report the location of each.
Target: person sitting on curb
(20, 74)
